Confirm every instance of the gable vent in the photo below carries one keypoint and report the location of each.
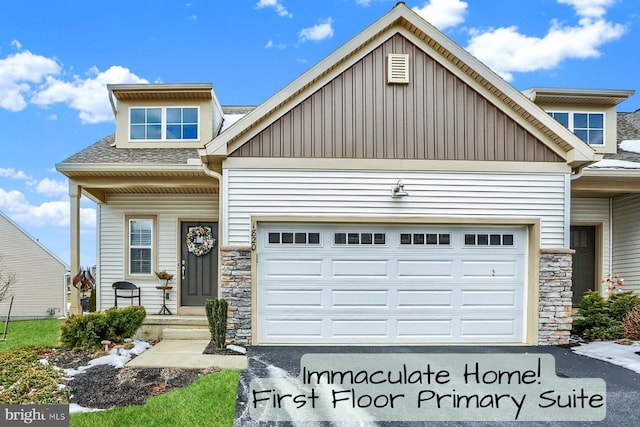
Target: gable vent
(398, 68)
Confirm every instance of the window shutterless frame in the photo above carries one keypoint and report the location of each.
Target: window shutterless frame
(587, 125)
(174, 123)
(140, 250)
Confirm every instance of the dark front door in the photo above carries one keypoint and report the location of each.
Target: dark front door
(583, 241)
(199, 263)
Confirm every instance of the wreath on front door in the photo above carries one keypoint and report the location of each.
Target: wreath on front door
(200, 241)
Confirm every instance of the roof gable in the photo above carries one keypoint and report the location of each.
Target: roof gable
(436, 116)
(401, 20)
(25, 237)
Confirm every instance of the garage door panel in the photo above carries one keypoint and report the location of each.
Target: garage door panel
(489, 299)
(426, 330)
(346, 292)
(293, 298)
(360, 269)
(360, 299)
(424, 298)
(497, 329)
(293, 328)
(359, 329)
(484, 269)
(286, 268)
(425, 269)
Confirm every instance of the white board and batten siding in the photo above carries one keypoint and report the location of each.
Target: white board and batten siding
(169, 211)
(500, 196)
(626, 240)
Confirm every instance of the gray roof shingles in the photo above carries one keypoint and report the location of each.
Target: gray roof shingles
(103, 151)
(628, 129)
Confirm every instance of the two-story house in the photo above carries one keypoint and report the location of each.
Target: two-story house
(399, 191)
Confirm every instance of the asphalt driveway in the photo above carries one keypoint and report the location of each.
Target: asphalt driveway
(622, 385)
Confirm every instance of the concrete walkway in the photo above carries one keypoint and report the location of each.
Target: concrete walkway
(185, 354)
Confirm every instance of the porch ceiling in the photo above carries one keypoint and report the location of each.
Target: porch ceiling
(610, 184)
(97, 184)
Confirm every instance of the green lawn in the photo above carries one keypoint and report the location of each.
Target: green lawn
(26, 333)
(209, 402)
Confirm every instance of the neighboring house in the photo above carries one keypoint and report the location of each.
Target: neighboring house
(39, 276)
(397, 192)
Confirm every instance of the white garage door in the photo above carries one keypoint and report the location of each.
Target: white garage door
(382, 284)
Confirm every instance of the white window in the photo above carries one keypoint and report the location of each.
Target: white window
(140, 246)
(164, 123)
(587, 126)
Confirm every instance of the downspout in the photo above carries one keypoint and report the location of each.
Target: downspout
(217, 176)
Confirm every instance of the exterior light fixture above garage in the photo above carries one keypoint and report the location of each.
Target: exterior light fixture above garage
(398, 190)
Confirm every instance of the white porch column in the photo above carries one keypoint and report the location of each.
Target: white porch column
(75, 193)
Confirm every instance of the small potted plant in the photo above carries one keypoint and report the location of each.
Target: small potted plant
(164, 276)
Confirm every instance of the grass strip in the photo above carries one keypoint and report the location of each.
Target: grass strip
(209, 402)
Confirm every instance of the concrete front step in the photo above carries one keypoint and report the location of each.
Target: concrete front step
(186, 334)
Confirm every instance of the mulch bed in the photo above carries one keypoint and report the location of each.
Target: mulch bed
(212, 349)
(107, 387)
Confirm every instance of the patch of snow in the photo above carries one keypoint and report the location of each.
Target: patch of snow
(230, 119)
(617, 354)
(276, 372)
(632, 145)
(614, 164)
(44, 361)
(116, 358)
(74, 408)
(237, 348)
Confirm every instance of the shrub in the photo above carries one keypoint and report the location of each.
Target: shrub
(86, 331)
(631, 324)
(216, 310)
(595, 322)
(621, 303)
(92, 301)
(601, 319)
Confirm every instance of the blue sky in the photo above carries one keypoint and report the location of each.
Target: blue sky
(57, 57)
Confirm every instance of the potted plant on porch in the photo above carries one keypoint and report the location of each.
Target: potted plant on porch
(164, 277)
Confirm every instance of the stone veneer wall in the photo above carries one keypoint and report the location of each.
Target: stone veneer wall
(235, 288)
(554, 310)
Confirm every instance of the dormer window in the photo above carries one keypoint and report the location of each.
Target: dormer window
(163, 123)
(586, 125)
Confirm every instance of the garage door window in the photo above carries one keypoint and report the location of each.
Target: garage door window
(420, 239)
(359, 238)
(482, 239)
(294, 238)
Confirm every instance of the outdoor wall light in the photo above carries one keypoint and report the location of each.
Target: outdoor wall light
(398, 190)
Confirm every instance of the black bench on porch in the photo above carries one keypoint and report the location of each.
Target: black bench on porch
(126, 290)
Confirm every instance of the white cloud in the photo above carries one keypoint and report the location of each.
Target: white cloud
(13, 174)
(269, 44)
(16, 44)
(279, 8)
(17, 74)
(589, 8)
(88, 96)
(506, 50)
(318, 32)
(443, 13)
(47, 214)
(29, 78)
(52, 187)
